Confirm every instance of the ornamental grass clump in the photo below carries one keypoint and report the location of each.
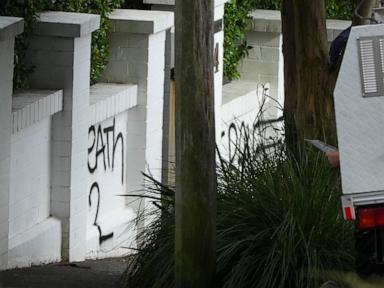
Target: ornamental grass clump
(279, 223)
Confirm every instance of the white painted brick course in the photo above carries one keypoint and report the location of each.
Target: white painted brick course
(30, 107)
(107, 100)
(30, 183)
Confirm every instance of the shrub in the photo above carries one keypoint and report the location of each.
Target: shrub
(339, 9)
(279, 224)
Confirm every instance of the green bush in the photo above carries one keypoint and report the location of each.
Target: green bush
(29, 9)
(339, 9)
(279, 224)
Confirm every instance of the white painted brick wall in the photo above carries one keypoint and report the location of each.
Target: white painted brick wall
(155, 102)
(30, 177)
(68, 68)
(218, 82)
(138, 57)
(50, 155)
(6, 64)
(240, 110)
(9, 28)
(106, 184)
(36, 246)
(265, 61)
(34, 236)
(262, 63)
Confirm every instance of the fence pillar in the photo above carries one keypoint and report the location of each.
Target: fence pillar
(9, 28)
(218, 46)
(60, 52)
(137, 55)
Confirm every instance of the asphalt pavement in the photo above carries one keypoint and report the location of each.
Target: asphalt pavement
(104, 273)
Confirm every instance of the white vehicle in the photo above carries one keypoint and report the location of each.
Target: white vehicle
(359, 107)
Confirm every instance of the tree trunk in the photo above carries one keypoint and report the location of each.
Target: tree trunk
(365, 11)
(308, 79)
(195, 145)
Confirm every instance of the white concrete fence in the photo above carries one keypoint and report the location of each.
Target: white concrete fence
(262, 78)
(68, 150)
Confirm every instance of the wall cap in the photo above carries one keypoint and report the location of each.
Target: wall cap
(29, 107)
(172, 2)
(66, 24)
(270, 21)
(160, 2)
(10, 27)
(140, 21)
(109, 99)
(237, 88)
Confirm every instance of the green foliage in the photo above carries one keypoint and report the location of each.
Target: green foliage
(236, 19)
(339, 9)
(153, 267)
(100, 43)
(29, 9)
(279, 223)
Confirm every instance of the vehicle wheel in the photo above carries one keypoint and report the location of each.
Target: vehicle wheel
(367, 245)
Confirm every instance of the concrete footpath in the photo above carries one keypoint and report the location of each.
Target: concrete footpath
(104, 273)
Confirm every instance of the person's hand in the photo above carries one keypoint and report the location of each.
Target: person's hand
(333, 158)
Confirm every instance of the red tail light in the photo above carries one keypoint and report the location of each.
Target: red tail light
(370, 217)
(348, 213)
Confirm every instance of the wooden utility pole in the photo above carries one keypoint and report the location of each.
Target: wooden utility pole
(195, 145)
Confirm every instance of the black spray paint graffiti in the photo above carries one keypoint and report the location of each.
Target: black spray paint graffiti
(107, 151)
(236, 133)
(95, 187)
(242, 137)
(103, 148)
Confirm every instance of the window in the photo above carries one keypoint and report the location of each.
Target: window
(371, 56)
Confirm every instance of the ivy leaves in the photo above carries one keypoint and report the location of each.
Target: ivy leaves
(236, 18)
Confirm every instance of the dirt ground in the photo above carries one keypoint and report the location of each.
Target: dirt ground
(104, 273)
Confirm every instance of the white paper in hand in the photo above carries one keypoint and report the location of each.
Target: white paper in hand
(324, 147)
